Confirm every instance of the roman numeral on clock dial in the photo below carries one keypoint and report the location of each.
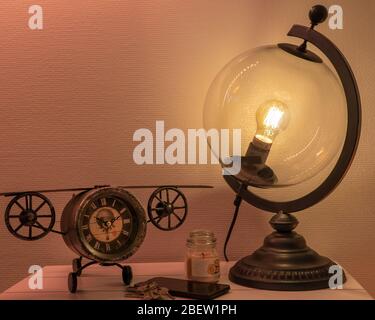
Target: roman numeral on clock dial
(107, 247)
(122, 210)
(97, 245)
(103, 201)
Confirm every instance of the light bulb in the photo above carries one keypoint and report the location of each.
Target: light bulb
(272, 117)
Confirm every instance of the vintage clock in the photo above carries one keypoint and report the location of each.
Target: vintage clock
(103, 224)
(107, 224)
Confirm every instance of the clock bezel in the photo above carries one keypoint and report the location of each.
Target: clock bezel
(138, 218)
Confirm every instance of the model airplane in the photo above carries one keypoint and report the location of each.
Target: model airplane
(103, 224)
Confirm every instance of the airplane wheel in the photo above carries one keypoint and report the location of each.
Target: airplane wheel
(167, 208)
(72, 282)
(127, 275)
(36, 218)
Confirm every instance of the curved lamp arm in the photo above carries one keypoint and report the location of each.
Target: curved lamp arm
(352, 134)
(345, 74)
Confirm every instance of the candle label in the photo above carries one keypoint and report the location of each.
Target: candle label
(205, 267)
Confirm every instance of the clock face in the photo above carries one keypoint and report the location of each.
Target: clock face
(107, 226)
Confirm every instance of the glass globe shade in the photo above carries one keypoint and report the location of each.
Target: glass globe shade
(294, 107)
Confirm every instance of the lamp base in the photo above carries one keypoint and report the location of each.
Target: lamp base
(284, 262)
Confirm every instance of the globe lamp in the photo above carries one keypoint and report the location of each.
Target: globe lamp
(298, 109)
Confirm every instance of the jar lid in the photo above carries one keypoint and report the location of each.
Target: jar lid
(201, 237)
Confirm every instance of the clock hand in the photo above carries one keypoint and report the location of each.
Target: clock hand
(114, 219)
(99, 220)
(103, 224)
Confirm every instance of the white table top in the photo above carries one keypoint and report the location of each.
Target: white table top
(105, 283)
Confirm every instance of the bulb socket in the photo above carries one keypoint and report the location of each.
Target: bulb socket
(259, 149)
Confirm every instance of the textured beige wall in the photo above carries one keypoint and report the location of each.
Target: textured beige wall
(72, 95)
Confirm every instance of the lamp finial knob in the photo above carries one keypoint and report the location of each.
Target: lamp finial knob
(318, 14)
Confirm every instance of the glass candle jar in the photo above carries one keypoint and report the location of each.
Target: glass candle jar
(202, 260)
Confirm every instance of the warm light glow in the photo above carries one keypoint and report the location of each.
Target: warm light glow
(272, 117)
